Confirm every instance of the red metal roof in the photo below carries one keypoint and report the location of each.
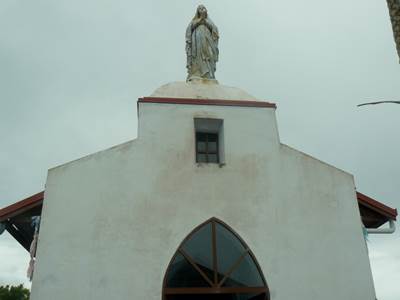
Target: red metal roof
(390, 213)
(21, 206)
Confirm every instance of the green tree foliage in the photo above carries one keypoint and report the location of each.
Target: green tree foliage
(8, 292)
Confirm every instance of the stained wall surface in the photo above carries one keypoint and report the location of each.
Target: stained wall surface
(112, 220)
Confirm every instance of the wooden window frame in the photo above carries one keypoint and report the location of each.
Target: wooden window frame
(207, 152)
(215, 285)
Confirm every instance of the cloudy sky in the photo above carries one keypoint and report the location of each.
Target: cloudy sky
(71, 72)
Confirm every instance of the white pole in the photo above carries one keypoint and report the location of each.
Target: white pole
(391, 229)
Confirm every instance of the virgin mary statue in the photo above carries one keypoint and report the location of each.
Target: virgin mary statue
(201, 46)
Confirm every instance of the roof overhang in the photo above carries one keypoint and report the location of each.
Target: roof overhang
(17, 218)
(374, 213)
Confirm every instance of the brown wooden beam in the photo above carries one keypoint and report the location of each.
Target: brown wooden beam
(19, 235)
(216, 290)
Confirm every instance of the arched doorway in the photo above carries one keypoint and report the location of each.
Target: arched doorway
(213, 262)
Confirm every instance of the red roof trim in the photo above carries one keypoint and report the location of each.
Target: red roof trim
(242, 103)
(21, 206)
(377, 206)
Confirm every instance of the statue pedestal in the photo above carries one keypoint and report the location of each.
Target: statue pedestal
(195, 79)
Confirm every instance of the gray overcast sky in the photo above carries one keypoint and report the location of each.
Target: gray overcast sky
(71, 72)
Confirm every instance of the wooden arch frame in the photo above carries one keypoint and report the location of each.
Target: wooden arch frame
(215, 284)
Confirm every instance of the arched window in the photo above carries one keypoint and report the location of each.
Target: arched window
(213, 262)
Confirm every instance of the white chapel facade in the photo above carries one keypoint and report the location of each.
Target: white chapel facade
(206, 203)
(122, 213)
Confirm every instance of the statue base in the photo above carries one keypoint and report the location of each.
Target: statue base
(195, 79)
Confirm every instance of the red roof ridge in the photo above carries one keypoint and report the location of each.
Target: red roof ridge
(220, 102)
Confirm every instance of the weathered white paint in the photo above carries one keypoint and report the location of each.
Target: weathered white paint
(112, 220)
(201, 89)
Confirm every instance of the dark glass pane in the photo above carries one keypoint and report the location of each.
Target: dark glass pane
(201, 147)
(217, 297)
(212, 147)
(199, 248)
(201, 136)
(182, 274)
(207, 271)
(201, 158)
(202, 297)
(213, 158)
(246, 274)
(212, 137)
(206, 143)
(229, 248)
(250, 296)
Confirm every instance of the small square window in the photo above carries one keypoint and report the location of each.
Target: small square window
(209, 137)
(207, 147)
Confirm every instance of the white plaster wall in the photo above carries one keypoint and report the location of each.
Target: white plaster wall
(112, 220)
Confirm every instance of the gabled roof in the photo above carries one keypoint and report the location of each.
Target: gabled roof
(17, 216)
(373, 212)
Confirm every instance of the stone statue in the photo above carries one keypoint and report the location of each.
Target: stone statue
(201, 46)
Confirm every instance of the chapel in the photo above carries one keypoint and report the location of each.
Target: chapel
(206, 203)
